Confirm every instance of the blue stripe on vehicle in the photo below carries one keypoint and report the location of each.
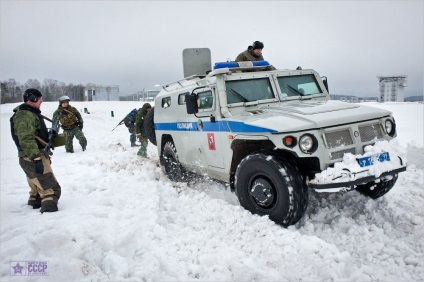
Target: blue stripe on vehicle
(222, 126)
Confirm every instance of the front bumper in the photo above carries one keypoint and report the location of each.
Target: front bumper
(353, 183)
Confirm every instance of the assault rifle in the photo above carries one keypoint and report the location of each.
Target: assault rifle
(53, 132)
(120, 123)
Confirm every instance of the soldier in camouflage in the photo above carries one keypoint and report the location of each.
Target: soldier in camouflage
(72, 124)
(139, 129)
(30, 134)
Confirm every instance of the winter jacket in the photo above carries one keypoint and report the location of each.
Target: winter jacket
(69, 117)
(249, 55)
(132, 116)
(26, 123)
(139, 121)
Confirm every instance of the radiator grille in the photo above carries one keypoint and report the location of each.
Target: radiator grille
(338, 138)
(369, 132)
(339, 154)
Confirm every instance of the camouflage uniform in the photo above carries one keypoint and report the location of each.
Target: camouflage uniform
(139, 130)
(27, 123)
(72, 124)
(129, 121)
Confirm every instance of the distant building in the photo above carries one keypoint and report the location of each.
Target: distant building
(101, 93)
(149, 95)
(144, 95)
(392, 88)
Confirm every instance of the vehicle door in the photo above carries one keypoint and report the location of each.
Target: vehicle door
(210, 129)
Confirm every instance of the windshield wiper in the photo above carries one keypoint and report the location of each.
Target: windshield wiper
(295, 90)
(239, 95)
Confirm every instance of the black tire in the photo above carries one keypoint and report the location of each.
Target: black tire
(149, 126)
(173, 168)
(377, 190)
(266, 185)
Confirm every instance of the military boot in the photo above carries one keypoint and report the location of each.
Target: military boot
(35, 202)
(48, 206)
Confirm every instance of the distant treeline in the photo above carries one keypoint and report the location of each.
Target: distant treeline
(348, 97)
(413, 99)
(12, 90)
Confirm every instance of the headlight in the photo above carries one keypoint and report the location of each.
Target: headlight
(390, 127)
(308, 143)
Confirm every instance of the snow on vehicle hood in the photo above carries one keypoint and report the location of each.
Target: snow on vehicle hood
(310, 114)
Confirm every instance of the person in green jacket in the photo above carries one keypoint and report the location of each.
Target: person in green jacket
(72, 124)
(139, 129)
(253, 53)
(30, 134)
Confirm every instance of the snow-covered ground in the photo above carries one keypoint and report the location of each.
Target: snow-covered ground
(120, 218)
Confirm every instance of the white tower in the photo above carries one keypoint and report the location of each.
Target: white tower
(392, 88)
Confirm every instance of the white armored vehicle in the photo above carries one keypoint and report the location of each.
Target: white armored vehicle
(272, 135)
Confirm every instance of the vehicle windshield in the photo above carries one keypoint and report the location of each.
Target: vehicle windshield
(300, 85)
(248, 90)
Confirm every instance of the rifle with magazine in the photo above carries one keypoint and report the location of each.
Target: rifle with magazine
(55, 139)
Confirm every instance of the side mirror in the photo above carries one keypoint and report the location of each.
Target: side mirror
(324, 80)
(191, 104)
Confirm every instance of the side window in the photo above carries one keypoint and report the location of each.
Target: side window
(166, 102)
(205, 100)
(181, 98)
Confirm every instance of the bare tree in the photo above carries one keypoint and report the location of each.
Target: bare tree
(33, 83)
(12, 91)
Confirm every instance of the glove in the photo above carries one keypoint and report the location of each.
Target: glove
(38, 167)
(80, 125)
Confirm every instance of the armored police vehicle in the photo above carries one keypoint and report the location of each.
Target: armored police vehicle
(270, 134)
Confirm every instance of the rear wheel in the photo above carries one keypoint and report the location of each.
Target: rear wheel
(149, 126)
(376, 190)
(266, 185)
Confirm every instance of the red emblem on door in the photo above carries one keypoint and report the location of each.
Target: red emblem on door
(211, 141)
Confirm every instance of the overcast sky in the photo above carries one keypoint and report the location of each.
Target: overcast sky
(139, 44)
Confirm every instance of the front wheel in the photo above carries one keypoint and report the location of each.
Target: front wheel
(269, 186)
(376, 190)
(172, 165)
